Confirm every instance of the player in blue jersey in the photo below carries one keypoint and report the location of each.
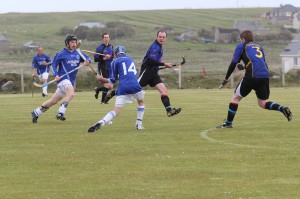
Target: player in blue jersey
(41, 66)
(149, 71)
(256, 78)
(124, 70)
(104, 65)
(63, 62)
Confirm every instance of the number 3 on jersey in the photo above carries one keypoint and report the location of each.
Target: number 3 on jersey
(130, 69)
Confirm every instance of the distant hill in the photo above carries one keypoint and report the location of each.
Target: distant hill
(42, 28)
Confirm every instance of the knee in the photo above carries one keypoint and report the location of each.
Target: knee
(262, 104)
(71, 96)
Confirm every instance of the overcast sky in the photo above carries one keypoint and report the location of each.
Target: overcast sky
(113, 5)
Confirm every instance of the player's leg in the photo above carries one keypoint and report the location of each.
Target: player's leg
(45, 76)
(67, 88)
(140, 110)
(166, 100)
(110, 94)
(242, 90)
(45, 106)
(120, 102)
(263, 93)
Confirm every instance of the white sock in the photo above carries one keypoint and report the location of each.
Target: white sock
(140, 115)
(38, 111)
(108, 117)
(45, 90)
(63, 107)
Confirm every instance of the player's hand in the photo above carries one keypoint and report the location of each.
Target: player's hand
(168, 65)
(106, 57)
(224, 82)
(57, 78)
(86, 63)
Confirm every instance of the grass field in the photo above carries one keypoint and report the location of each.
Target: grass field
(179, 157)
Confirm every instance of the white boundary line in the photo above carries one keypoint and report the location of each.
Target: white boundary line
(204, 135)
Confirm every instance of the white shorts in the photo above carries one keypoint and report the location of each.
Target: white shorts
(121, 100)
(62, 87)
(42, 76)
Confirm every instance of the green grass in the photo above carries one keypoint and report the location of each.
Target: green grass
(179, 157)
(42, 28)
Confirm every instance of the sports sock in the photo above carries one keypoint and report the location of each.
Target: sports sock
(166, 102)
(273, 106)
(113, 93)
(231, 112)
(63, 107)
(140, 115)
(104, 93)
(98, 89)
(45, 90)
(40, 110)
(108, 117)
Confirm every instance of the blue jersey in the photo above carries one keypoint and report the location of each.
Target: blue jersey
(252, 54)
(38, 61)
(106, 50)
(154, 52)
(123, 68)
(65, 61)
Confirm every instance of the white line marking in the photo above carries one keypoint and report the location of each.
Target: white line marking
(204, 135)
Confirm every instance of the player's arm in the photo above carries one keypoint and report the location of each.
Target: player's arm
(97, 57)
(151, 62)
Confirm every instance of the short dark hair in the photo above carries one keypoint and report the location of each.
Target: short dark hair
(162, 32)
(247, 35)
(104, 34)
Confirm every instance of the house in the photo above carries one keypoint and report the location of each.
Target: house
(31, 46)
(4, 43)
(91, 25)
(254, 26)
(291, 55)
(188, 35)
(281, 20)
(287, 10)
(226, 35)
(296, 22)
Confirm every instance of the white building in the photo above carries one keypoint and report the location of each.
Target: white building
(291, 55)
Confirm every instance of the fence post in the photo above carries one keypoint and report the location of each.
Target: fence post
(22, 80)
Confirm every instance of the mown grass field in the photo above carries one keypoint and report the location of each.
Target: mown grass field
(179, 157)
(42, 28)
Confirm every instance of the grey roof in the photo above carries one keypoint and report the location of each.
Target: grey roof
(293, 47)
(226, 30)
(248, 25)
(286, 8)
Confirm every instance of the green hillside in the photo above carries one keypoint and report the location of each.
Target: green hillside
(42, 29)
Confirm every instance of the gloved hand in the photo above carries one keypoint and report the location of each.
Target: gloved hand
(240, 66)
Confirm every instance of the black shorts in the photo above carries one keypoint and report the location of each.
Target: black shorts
(102, 70)
(260, 85)
(149, 77)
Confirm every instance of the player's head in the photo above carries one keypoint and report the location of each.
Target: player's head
(105, 38)
(161, 37)
(69, 38)
(247, 35)
(40, 50)
(120, 50)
